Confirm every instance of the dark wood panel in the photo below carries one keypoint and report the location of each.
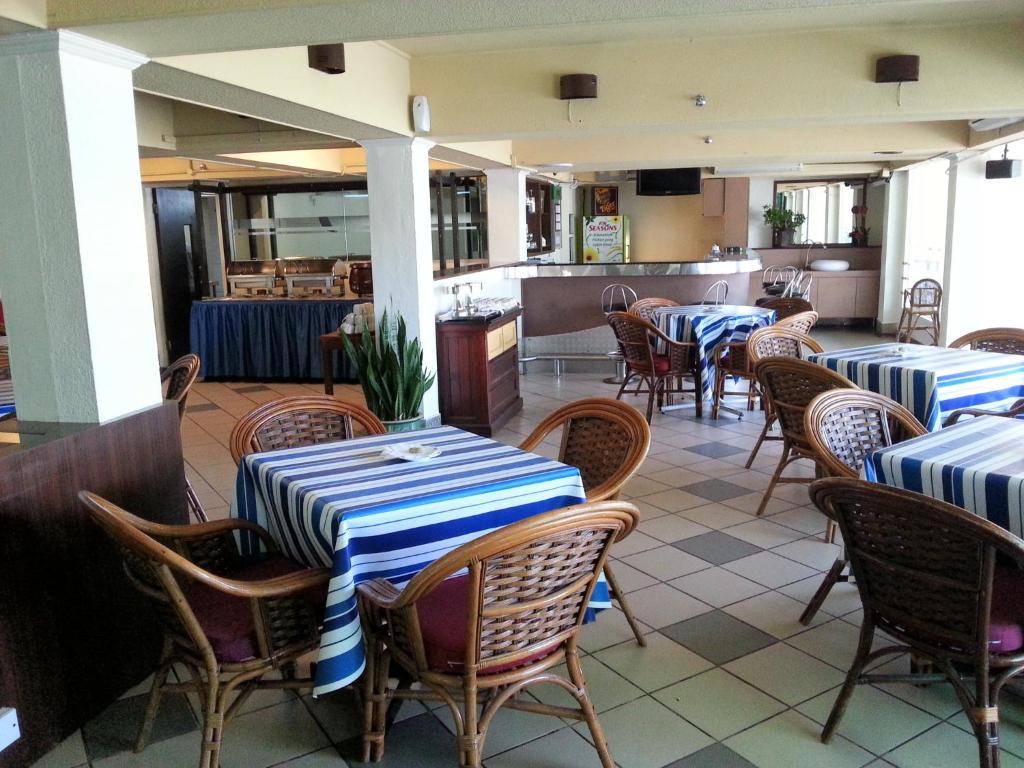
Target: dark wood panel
(74, 635)
(475, 393)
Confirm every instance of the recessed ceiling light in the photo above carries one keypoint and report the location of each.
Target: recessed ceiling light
(889, 152)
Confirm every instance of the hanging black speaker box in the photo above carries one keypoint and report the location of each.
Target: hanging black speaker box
(897, 69)
(1002, 169)
(329, 58)
(578, 87)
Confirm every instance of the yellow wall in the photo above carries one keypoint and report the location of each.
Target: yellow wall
(374, 89)
(668, 228)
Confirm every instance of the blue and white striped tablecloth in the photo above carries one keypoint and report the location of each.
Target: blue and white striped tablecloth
(710, 326)
(6, 386)
(976, 464)
(931, 382)
(366, 516)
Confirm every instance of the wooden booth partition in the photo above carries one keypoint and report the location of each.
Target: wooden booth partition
(73, 634)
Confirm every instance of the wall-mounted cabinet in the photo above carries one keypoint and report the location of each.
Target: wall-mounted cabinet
(729, 199)
(540, 217)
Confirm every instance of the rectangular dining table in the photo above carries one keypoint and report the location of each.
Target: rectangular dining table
(365, 515)
(976, 464)
(931, 382)
(709, 325)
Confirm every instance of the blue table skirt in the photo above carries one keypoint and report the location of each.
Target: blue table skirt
(267, 338)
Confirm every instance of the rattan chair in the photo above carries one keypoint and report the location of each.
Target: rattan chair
(922, 302)
(801, 322)
(644, 308)
(661, 373)
(944, 584)
(177, 379)
(227, 621)
(298, 421)
(607, 441)
(786, 307)
(774, 341)
(481, 638)
(732, 362)
(842, 427)
(789, 385)
(1009, 341)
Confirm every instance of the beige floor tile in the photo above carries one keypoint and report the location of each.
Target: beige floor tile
(718, 587)
(790, 740)
(769, 569)
(716, 516)
(661, 663)
(665, 562)
(764, 533)
(70, 753)
(661, 605)
(671, 528)
(786, 673)
(941, 746)
(719, 703)
(674, 500)
(812, 552)
(646, 734)
(834, 642)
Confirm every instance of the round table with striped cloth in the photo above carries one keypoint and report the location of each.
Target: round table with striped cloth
(710, 325)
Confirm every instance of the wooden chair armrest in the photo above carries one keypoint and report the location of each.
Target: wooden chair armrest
(279, 586)
(381, 594)
(215, 528)
(1017, 409)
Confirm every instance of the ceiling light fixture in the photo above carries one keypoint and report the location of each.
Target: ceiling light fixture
(709, 140)
(699, 100)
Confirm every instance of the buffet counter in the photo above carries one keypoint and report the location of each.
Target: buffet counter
(267, 338)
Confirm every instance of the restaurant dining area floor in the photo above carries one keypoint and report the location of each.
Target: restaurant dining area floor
(729, 678)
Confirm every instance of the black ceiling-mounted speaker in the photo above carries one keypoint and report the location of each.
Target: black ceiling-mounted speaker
(329, 58)
(1002, 169)
(578, 87)
(898, 69)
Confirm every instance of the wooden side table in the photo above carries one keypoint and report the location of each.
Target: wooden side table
(329, 344)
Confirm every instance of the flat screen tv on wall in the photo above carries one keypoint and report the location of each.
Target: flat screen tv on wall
(668, 181)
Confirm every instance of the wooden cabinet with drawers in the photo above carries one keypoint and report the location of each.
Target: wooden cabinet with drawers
(478, 372)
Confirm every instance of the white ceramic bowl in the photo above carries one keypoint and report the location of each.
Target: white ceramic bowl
(830, 265)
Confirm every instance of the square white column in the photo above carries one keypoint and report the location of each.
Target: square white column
(398, 183)
(74, 273)
(506, 215)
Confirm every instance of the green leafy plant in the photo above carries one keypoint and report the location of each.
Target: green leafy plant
(390, 369)
(782, 218)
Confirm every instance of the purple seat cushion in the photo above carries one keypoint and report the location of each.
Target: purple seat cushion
(442, 616)
(1006, 631)
(227, 620)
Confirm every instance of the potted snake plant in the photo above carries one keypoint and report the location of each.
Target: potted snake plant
(391, 373)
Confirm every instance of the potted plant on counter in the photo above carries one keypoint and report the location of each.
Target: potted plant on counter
(391, 373)
(783, 223)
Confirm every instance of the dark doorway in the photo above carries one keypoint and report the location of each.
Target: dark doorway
(182, 259)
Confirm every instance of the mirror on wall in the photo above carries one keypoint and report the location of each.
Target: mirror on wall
(836, 210)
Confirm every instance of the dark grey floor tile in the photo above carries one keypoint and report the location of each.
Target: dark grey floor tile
(715, 450)
(252, 388)
(715, 756)
(716, 490)
(339, 714)
(420, 741)
(717, 547)
(200, 407)
(116, 729)
(718, 637)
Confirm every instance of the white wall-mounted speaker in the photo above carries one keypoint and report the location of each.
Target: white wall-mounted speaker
(420, 114)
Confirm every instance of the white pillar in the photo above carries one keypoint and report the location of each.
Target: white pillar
(73, 269)
(984, 267)
(894, 244)
(397, 179)
(506, 215)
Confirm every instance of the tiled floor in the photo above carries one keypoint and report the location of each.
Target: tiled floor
(729, 677)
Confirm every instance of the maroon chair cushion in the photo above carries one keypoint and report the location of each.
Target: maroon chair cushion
(442, 616)
(227, 620)
(1006, 631)
(662, 364)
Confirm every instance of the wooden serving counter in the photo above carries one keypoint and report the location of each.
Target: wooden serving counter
(478, 372)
